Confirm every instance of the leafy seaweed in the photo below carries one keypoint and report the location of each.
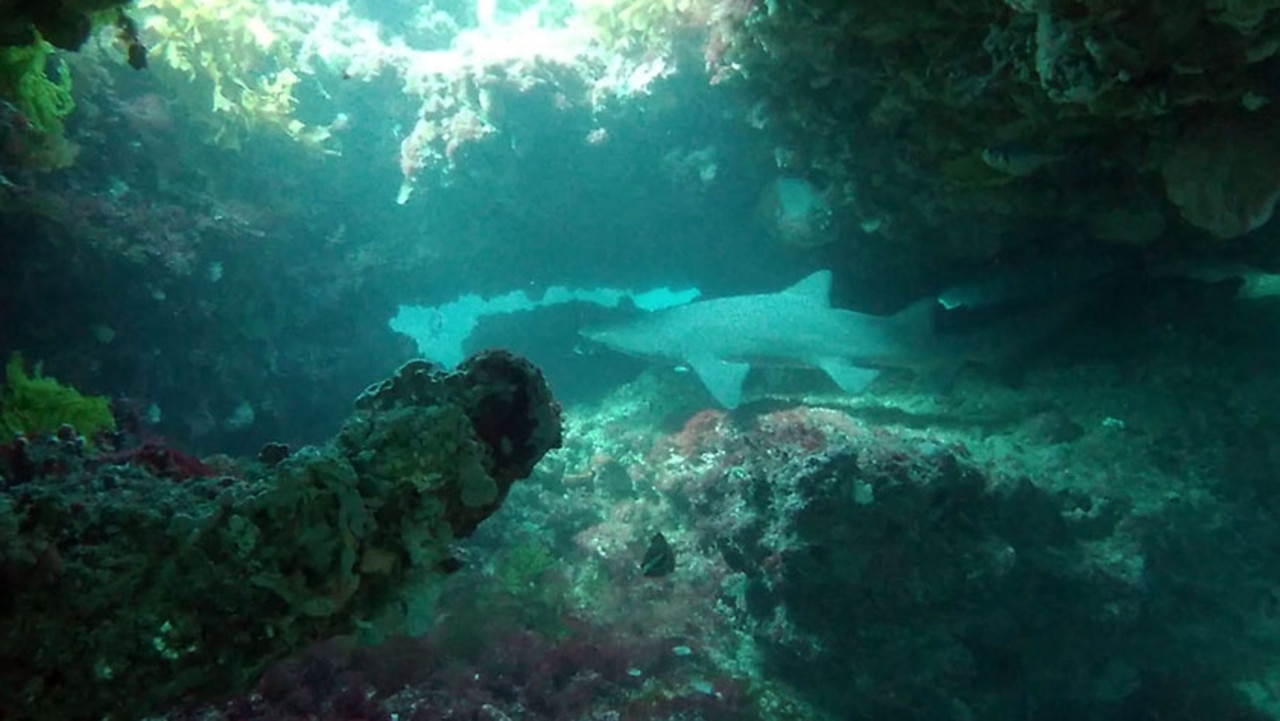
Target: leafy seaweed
(33, 405)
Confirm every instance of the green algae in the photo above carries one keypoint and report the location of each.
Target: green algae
(33, 404)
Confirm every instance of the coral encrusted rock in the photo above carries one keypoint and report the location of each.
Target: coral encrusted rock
(124, 589)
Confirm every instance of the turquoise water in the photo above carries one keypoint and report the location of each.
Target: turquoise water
(638, 361)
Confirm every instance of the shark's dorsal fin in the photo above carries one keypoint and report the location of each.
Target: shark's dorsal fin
(816, 287)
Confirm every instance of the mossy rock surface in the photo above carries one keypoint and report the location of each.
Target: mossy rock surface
(195, 586)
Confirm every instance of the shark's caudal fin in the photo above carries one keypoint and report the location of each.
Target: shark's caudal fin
(916, 321)
(916, 327)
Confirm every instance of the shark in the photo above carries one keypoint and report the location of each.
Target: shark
(722, 338)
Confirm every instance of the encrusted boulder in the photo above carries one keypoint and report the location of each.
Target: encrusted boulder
(885, 574)
(124, 589)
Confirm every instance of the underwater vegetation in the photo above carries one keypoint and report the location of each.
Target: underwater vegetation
(522, 568)
(221, 238)
(38, 85)
(879, 108)
(240, 53)
(34, 406)
(36, 82)
(637, 27)
(503, 672)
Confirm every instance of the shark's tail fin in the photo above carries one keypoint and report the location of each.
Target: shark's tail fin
(917, 322)
(916, 327)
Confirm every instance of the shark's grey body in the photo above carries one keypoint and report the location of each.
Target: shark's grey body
(721, 339)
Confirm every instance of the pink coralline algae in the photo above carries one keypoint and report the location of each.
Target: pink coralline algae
(486, 674)
(845, 541)
(64, 456)
(699, 434)
(162, 461)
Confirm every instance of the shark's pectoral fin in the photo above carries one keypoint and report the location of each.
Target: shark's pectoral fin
(723, 379)
(850, 378)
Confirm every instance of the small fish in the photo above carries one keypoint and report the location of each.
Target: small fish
(1017, 160)
(1253, 283)
(273, 453)
(127, 34)
(1039, 280)
(450, 565)
(659, 559)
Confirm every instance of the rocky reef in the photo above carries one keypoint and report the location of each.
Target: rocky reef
(130, 583)
(64, 23)
(896, 561)
(966, 131)
(1089, 535)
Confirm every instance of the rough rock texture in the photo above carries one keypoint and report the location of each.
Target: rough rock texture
(124, 589)
(968, 130)
(65, 23)
(885, 575)
(1223, 176)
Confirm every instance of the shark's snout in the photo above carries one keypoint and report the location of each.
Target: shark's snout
(601, 337)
